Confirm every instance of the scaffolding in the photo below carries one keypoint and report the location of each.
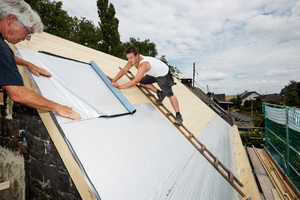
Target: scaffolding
(282, 138)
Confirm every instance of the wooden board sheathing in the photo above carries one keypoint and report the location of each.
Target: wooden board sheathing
(261, 174)
(245, 172)
(59, 142)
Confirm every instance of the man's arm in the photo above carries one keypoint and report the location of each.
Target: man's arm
(138, 77)
(121, 73)
(25, 96)
(32, 67)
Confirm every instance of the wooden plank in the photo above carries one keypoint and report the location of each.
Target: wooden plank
(266, 186)
(258, 167)
(275, 194)
(1, 98)
(275, 183)
(4, 185)
(284, 186)
(261, 174)
(245, 172)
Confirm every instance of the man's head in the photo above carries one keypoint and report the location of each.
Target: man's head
(131, 49)
(131, 54)
(18, 20)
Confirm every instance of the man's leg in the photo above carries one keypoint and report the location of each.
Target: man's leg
(175, 105)
(150, 87)
(160, 94)
(174, 102)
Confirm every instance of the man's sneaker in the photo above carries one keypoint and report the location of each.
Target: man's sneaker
(178, 120)
(160, 96)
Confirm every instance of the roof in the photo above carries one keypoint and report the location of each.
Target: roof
(247, 94)
(137, 156)
(274, 97)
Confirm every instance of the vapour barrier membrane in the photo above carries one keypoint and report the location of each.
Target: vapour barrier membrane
(75, 84)
(136, 157)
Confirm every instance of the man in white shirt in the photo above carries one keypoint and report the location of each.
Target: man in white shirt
(150, 70)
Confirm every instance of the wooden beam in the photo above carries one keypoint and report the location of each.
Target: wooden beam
(4, 185)
(245, 172)
(261, 174)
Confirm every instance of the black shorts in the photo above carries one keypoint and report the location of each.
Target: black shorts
(165, 83)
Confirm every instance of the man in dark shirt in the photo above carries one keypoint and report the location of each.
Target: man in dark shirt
(14, 15)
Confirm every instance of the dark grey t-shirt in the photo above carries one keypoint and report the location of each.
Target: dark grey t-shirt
(9, 73)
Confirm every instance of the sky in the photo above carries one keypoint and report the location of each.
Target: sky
(236, 45)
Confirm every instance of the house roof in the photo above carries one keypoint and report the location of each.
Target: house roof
(275, 97)
(143, 155)
(247, 94)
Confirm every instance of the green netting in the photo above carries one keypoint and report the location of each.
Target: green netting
(282, 137)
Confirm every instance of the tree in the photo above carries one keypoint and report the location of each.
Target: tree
(109, 24)
(55, 20)
(292, 93)
(145, 47)
(174, 70)
(86, 33)
(292, 99)
(237, 100)
(59, 23)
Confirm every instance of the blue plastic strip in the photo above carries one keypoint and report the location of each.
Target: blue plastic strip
(115, 90)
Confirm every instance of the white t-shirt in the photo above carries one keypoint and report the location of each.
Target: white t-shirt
(158, 68)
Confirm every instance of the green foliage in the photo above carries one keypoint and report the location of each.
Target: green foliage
(59, 23)
(145, 47)
(292, 99)
(174, 70)
(258, 120)
(292, 94)
(237, 100)
(254, 105)
(55, 20)
(109, 25)
(86, 33)
(253, 137)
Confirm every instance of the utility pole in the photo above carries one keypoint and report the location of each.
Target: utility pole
(251, 107)
(193, 75)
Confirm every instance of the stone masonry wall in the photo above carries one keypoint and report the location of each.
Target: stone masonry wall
(45, 174)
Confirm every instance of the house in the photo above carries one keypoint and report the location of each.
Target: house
(272, 97)
(248, 96)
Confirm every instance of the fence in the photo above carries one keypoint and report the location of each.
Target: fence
(282, 138)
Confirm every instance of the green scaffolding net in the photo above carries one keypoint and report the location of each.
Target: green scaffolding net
(282, 138)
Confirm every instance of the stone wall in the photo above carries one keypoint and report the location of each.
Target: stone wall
(45, 174)
(12, 169)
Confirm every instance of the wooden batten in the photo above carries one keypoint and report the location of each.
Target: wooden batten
(4, 185)
(245, 172)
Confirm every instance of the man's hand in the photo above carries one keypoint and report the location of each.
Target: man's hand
(111, 79)
(32, 67)
(25, 96)
(37, 70)
(115, 84)
(66, 111)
